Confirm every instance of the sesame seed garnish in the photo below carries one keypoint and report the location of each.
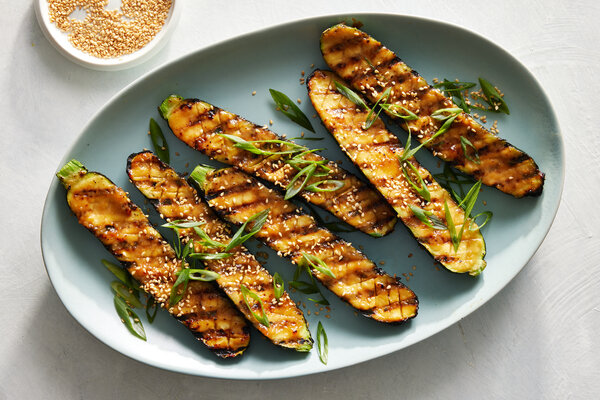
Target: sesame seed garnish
(110, 33)
(254, 93)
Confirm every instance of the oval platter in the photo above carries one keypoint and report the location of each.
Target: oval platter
(227, 74)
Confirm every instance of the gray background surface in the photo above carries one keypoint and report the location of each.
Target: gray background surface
(537, 339)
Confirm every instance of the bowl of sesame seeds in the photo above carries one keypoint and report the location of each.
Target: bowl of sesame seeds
(107, 35)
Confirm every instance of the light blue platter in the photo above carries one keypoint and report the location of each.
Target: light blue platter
(226, 75)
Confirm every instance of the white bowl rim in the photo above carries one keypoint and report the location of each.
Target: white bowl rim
(58, 39)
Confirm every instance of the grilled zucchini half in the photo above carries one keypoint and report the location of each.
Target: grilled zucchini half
(371, 68)
(106, 211)
(376, 152)
(176, 200)
(199, 124)
(353, 277)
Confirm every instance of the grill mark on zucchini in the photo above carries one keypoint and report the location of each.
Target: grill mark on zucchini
(106, 211)
(381, 166)
(341, 43)
(378, 220)
(358, 280)
(287, 326)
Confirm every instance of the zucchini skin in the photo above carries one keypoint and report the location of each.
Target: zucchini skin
(291, 232)
(106, 211)
(348, 52)
(175, 200)
(198, 123)
(375, 151)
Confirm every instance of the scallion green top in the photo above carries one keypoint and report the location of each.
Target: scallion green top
(70, 171)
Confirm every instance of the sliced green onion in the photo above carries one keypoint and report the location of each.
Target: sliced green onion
(291, 189)
(372, 116)
(151, 309)
(488, 216)
(248, 293)
(290, 109)
(451, 228)
(206, 241)
(493, 97)
(278, 285)
(464, 142)
(408, 116)
(203, 275)
(456, 89)
(161, 147)
(117, 271)
(209, 256)
(351, 95)
(322, 344)
(249, 145)
(182, 224)
(126, 294)
(315, 187)
(469, 200)
(428, 218)
(318, 264)
(304, 287)
(129, 318)
(180, 286)
(259, 220)
(422, 189)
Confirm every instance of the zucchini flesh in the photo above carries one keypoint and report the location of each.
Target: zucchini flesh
(198, 124)
(375, 151)
(176, 200)
(106, 211)
(292, 233)
(371, 68)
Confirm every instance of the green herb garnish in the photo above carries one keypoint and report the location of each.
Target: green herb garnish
(421, 189)
(464, 142)
(118, 272)
(488, 216)
(318, 264)
(373, 115)
(259, 220)
(467, 204)
(316, 187)
(290, 109)
(350, 95)
(129, 318)
(307, 172)
(448, 115)
(408, 115)
(248, 293)
(126, 294)
(451, 228)
(322, 344)
(278, 285)
(161, 147)
(428, 218)
(307, 287)
(249, 145)
(151, 309)
(456, 90)
(493, 97)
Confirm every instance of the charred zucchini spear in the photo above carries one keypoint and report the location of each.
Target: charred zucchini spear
(371, 68)
(334, 262)
(228, 138)
(106, 211)
(406, 185)
(176, 200)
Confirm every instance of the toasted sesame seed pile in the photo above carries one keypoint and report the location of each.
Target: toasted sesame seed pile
(110, 33)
